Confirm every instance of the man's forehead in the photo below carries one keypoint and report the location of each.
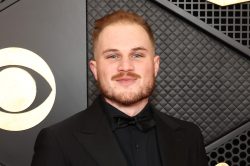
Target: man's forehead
(123, 36)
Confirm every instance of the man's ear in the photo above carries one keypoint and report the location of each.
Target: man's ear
(156, 64)
(93, 68)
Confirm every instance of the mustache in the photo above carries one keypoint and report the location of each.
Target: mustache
(122, 74)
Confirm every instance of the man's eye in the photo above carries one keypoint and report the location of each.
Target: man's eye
(112, 56)
(137, 55)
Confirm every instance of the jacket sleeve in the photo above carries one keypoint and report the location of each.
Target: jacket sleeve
(47, 150)
(201, 153)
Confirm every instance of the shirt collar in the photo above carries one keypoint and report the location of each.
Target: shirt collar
(110, 111)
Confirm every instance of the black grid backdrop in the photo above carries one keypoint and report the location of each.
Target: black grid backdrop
(235, 151)
(202, 80)
(232, 20)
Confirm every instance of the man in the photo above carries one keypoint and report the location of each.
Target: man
(121, 127)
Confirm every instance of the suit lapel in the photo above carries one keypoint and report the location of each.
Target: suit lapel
(170, 140)
(98, 139)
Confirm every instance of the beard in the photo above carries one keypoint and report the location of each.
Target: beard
(128, 97)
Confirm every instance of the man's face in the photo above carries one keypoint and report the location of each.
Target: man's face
(125, 66)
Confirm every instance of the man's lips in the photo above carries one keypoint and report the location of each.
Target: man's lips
(126, 81)
(126, 78)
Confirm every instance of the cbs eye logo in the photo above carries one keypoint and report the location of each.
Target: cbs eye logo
(27, 89)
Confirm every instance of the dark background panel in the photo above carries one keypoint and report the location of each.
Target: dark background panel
(233, 148)
(202, 79)
(232, 20)
(55, 30)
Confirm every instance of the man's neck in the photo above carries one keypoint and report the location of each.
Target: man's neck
(130, 110)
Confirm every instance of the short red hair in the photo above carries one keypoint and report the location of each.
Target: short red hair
(120, 16)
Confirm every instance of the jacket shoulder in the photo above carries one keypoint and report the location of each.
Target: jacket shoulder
(177, 123)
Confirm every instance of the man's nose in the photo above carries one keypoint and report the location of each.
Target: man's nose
(126, 64)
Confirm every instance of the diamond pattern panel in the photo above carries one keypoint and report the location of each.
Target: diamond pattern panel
(201, 80)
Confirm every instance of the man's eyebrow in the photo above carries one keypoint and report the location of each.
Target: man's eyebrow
(139, 48)
(116, 50)
(110, 50)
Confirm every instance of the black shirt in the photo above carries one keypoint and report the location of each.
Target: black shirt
(140, 148)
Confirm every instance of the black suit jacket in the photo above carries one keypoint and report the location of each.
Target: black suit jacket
(86, 139)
